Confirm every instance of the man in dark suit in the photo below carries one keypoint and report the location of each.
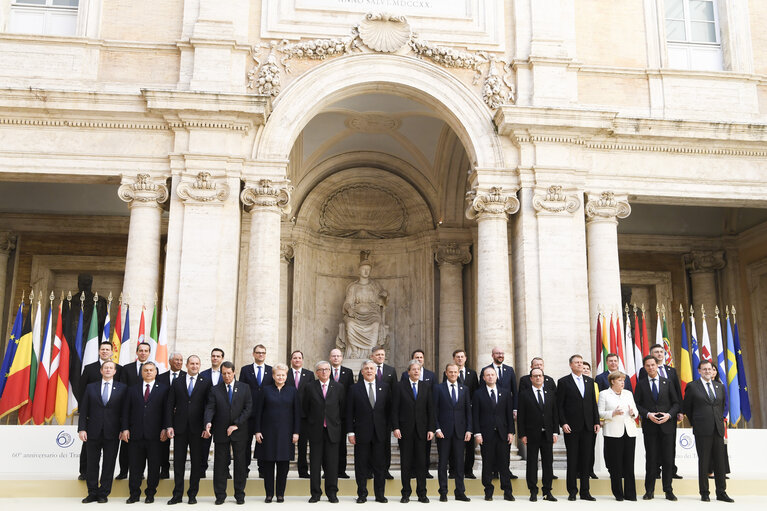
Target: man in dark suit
(322, 401)
(493, 423)
(468, 377)
(548, 382)
(226, 416)
(130, 376)
(99, 427)
(184, 417)
(413, 423)
(429, 378)
(143, 428)
(92, 373)
(213, 375)
(387, 375)
(175, 363)
(612, 366)
(538, 424)
(507, 380)
(368, 407)
(344, 377)
(257, 375)
(452, 415)
(299, 377)
(658, 405)
(578, 415)
(704, 403)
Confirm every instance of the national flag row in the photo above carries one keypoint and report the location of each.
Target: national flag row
(41, 370)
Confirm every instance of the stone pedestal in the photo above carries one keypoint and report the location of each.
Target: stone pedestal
(450, 257)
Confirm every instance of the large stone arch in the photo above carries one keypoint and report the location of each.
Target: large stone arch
(460, 107)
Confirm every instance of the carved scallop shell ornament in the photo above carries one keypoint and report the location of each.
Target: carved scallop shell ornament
(363, 211)
(384, 33)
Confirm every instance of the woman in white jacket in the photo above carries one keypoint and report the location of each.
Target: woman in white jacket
(618, 411)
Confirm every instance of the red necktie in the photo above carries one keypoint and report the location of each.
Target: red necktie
(146, 393)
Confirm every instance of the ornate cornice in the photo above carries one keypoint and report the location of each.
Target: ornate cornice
(704, 260)
(143, 191)
(204, 189)
(286, 252)
(7, 242)
(607, 207)
(493, 203)
(452, 253)
(555, 200)
(268, 194)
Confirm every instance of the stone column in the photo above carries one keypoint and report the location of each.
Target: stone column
(602, 212)
(142, 260)
(491, 209)
(268, 200)
(450, 257)
(286, 255)
(703, 266)
(7, 245)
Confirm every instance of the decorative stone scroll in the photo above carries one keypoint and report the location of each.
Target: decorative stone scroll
(286, 252)
(705, 260)
(607, 207)
(268, 194)
(383, 33)
(203, 189)
(555, 201)
(363, 211)
(494, 203)
(143, 191)
(7, 242)
(452, 253)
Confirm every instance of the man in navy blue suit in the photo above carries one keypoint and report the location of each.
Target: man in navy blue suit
(507, 380)
(612, 366)
(213, 375)
(257, 375)
(429, 378)
(99, 427)
(452, 413)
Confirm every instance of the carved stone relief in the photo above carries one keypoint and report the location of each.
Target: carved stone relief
(363, 211)
(203, 189)
(555, 200)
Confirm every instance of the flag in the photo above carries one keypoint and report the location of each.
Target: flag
(720, 364)
(613, 337)
(685, 371)
(161, 357)
(141, 335)
(91, 352)
(75, 364)
(106, 334)
(60, 396)
(645, 338)
(733, 389)
(43, 373)
(25, 412)
(619, 344)
(126, 350)
(705, 345)
(116, 335)
(745, 402)
(631, 361)
(667, 344)
(10, 349)
(694, 354)
(598, 351)
(637, 342)
(605, 344)
(16, 391)
(659, 331)
(152, 340)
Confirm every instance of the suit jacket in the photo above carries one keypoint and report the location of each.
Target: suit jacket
(248, 376)
(208, 375)
(185, 413)
(222, 414)
(369, 423)
(471, 381)
(145, 420)
(413, 415)
(668, 402)
(101, 421)
(165, 377)
(531, 419)
(705, 415)
(616, 425)
(673, 377)
(345, 377)
(92, 373)
(323, 412)
(388, 375)
(507, 381)
(492, 418)
(428, 376)
(525, 383)
(580, 413)
(306, 377)
(452, 419)
(604, 384)
(131, 374)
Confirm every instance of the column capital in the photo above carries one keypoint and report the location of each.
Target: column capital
(606, 206)
(492, 203)
(286, 252)
(704, 260)
(143, 191)
(268, 194)
(204, 189)
(7, 242)
(452, 253)
(555, 200)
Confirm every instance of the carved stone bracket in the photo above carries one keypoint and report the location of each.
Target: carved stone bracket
(143, 191)
(452, 253)
(607, 207)
(268, 194)
(286, 252)
(7, 242)
(204, 189)
(494, 203)
(705, 260)
(555, 200)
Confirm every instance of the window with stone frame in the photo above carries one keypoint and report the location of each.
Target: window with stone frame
(693, 36)
(44, 17)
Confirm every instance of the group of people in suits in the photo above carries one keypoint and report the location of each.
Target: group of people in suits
(284, 408)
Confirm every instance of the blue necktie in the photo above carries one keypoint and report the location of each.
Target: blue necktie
(455, 397)
(654, 390)
(229, 392)
(190, 387)
(258, 376)
(415, 391)
(105, 394)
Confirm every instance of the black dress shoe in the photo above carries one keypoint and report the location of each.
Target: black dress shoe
(549, 497)
(676, 476)
(423, 500)
(404, 500)
(361, 500)
(343, 475)
(228, 475)
(462, 498)
(303, 475)
(280, 500)
(174, 500)
(218, 502)
(165, 475)
(554, 476)
(470, 475)
(121, 476)
(670, 496)
(90, 498)
(648, 496)
(382, 500)
(571, 498)
(587, 497)
(593, 475)
(619, 499)
(705, 498)
(333, 499)
(512, 476)
(192, 500)
(509, 497)
(724, 497)
(443, 498)
(81, 477)
(131, 500)
(429, 476)
(268, 500)
(149, 499)
(312, 500)
(240, 501)
(388, 476)
(533, 497)
(488, 497)
(102, 500)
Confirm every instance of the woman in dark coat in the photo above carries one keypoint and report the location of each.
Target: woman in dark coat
(278, 419)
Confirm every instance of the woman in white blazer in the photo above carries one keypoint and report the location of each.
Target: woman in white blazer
(618, 411)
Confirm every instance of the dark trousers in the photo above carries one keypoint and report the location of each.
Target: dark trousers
(659, 452)
(143, 453)
(580, 455)
(367, 454)
(124, 457)
(221, 460)
(181, 443)
(619, 458)
(205, 445)
(468, 458)
(412, 452)
(282, 477)
(342, 455)
(165, 457)
(387, 451)
(323, 457)
(94, 448)
(83, 460)
(496, 452)
(303, 441)
(710, 450)
(450, 451)
(540, 444)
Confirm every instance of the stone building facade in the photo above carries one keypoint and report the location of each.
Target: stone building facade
(513, 167)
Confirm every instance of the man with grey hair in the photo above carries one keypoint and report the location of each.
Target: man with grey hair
(322, 401)
(175, 364)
